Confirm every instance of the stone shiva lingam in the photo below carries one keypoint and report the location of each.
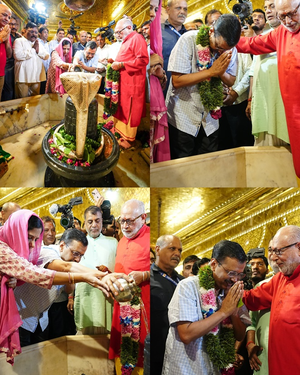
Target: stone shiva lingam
(79, 151)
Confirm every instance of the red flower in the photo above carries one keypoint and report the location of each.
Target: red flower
(216, 114)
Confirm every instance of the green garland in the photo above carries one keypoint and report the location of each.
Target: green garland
(219, 347)
(211, 91)
(111, 98)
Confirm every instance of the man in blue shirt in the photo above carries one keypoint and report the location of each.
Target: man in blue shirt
(88, 58)
(172, 29)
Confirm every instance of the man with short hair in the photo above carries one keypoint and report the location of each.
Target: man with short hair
(103, 56)
(146, 31)
(192, 129)
(29, 54)
(212, 16)
(87, 59)
(8, 208)
(283, 40)
(8, 92)
(88, 37)
(49, 230)
(60, 33)
(80, 46)
(131, 61)
(93, 312)
(172, 29)
(34, 302)
(163, 281)
(258, 333)
(188, 265)
(133, 259)
(259, 268)
(43, 39)
(193, 314)
(258, 25)
(268, 120)
(5, 46)
(282, 295)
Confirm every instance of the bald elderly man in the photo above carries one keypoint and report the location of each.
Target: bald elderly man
(282, 295)
(285, 39)
(133, 259)
(131, 61)
(5, 47)
(9, 208)
(164, 280)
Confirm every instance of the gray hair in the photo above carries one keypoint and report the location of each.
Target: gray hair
(293, 232)
(164, 240)
(138, 205)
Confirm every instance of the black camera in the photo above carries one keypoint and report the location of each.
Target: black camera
(258, 252)
(243, 10)
(108, 31)
(67, 217)
(107, 218)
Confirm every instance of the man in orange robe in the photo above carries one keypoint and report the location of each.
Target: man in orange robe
(131, 61)
(133, 258)
(285, 39)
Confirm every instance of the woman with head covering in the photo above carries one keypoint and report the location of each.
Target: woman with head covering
(61, 61)
(159, 132)
(20, 245)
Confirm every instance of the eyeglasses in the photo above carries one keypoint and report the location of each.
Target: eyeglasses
(76, 254)
(290, 15)
(279, 251)
(239, 276)
(128, 221)
(119, 32)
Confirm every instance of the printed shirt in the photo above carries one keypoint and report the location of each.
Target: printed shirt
(185, 109)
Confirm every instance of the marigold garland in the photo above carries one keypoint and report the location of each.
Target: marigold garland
(219, 343)
(211, 90)
(111, 99)
(130, 320)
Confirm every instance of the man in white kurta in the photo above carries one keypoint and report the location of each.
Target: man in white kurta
(93, 312)
(29, 54)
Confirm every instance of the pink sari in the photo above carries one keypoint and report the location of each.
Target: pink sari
(15, 234)
(159, 132)
(68, 59)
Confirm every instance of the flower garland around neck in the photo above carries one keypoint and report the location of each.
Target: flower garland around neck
(210, 90)
(111, 99)
(219, 342)
(130, 320)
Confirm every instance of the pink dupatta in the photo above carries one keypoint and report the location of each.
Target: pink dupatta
(15, 234)
(159, 132)
(68, 59)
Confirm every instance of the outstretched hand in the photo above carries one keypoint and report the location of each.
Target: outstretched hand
(112, 278)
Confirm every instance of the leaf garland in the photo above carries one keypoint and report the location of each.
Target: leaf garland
(219, 347)
(211, 91)
(111, 99)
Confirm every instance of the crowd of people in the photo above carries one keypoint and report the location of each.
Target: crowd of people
(225, 82)
(38, 274)
(230, 314)
(32, 65)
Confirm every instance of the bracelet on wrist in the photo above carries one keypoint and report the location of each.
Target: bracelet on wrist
(250, 342)
(249, 99)
(70, 297)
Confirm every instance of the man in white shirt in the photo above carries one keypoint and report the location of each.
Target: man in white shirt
(29, 69)
(103, 55)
